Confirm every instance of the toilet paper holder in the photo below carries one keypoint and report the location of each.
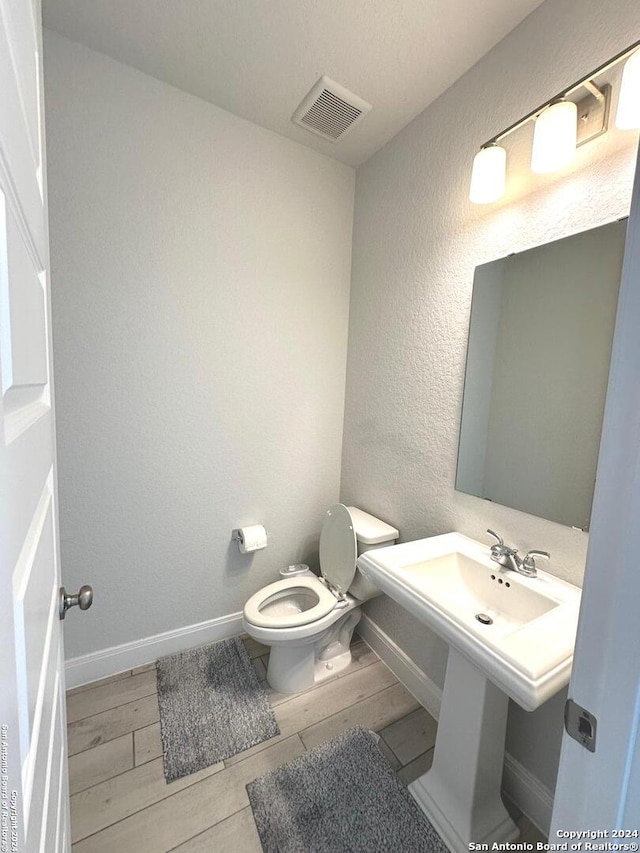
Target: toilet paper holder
(237, 535)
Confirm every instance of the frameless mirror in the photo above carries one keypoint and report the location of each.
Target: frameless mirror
(537, 367)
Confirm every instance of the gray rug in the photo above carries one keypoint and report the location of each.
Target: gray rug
(212, 706)
(341, 797)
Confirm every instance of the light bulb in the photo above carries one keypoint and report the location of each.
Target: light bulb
(628, 115)
(554, 137)
(488, 174)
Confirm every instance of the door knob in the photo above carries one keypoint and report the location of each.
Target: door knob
(84, 600)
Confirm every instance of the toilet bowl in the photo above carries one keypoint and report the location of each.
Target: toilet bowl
(308, 621)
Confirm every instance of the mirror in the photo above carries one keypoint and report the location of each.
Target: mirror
(538, 357)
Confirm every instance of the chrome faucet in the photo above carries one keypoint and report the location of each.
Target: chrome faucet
(503, 555)
(508, 558)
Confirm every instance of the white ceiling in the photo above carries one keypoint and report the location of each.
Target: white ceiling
(258, 58)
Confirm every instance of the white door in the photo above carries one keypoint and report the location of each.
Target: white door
(601, 790)
(33, 784)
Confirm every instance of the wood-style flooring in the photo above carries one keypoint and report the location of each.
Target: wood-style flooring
(120, 802)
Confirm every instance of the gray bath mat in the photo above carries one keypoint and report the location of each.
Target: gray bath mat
(341, 797)
(212, 706)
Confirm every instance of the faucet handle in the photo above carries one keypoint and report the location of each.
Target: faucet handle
(529, 564)
(499, 538)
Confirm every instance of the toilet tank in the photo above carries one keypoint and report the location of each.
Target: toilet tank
(371, 533)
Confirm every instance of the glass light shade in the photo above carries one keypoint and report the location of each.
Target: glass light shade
(554, 137)
(488, 175)
(628, 115)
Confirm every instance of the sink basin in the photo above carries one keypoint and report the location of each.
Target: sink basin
(447, 581)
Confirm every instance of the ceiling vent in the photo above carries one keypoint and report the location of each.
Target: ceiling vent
(330, 110)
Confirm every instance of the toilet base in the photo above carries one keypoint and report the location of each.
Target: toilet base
(295, 667)
(328, 668)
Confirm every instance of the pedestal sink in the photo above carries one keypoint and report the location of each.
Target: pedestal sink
(509, 636)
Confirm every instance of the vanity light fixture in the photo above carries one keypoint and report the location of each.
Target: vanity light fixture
(628, 115)
(489, 174)
(555, 135)
(570, 119)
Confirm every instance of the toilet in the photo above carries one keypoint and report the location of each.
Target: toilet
(308, 621)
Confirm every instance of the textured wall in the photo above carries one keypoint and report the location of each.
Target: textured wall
(200, 278)
(417, 240)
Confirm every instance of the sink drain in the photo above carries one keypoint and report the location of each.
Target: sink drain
(482, 617)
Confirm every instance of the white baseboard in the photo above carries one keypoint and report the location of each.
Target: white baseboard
(524, 789)
(87, 668)
(528, 793)
(417, 682)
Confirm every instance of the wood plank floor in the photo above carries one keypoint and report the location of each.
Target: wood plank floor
(121, 802)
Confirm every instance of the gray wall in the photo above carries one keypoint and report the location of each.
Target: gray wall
(200, 280)
(417, 240)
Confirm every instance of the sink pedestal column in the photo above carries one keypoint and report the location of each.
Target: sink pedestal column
(460, 794)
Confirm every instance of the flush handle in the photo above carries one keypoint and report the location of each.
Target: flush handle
(83, 600)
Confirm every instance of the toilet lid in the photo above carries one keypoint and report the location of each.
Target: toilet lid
(338, 547)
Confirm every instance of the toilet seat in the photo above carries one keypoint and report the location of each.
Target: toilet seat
(273, 607)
